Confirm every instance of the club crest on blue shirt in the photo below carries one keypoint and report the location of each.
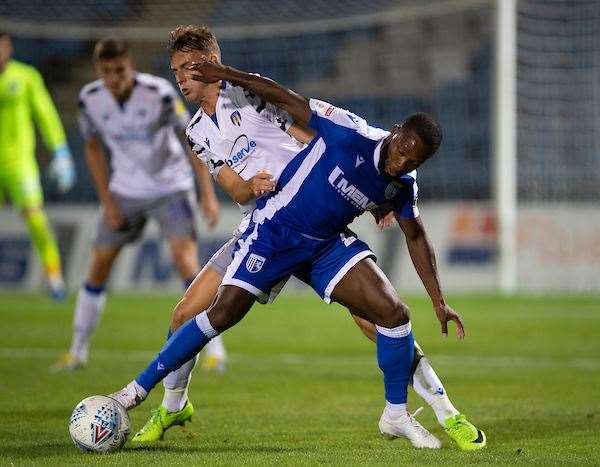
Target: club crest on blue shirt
(392, 189)
(254, 263)
(236, 118)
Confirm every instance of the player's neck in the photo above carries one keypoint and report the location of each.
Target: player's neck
(383, 155)
(209, 101)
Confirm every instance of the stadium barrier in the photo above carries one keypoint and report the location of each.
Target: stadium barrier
(558, 249)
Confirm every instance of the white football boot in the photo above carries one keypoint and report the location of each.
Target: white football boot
(130, 396)
(408, 427)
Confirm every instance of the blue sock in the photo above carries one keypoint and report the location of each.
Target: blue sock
(395, 349)
(94, 289)
(184, 344)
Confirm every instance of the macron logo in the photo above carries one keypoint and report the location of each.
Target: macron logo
(359, 160)
(160, 366)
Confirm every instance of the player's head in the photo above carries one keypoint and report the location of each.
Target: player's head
(410, 144)
(6, 50)
(190, 44)
(114, 66)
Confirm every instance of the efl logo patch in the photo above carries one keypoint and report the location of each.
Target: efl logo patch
(236, 118)
(329, 111)
(101, 432)
(254, 263)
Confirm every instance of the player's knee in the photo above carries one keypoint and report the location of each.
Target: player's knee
(224, 314)
(228, 310)
(395, 313)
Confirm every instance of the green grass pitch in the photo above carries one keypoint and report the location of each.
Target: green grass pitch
(303, 387)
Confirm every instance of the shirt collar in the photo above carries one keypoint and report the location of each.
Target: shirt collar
(377, 155)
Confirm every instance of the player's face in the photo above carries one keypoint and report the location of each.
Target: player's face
(118, 75)
(194, 91)
(405, 151)
(5, 52)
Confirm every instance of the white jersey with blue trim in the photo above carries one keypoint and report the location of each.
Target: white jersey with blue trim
(337, 178)
(246, 133)
(141, 135)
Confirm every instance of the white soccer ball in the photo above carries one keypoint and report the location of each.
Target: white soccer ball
(99, 424)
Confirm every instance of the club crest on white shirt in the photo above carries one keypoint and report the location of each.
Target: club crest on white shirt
(254, 263)
(236, 118)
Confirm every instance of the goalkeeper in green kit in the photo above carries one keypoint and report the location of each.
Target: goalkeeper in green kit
(23, 99)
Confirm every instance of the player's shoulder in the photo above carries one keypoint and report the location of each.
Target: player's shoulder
(234, 96)
(91, 90)
(192, 127)
(412, 175)
(23, 71)
(346, 119)
(155, 84)
(16, 66)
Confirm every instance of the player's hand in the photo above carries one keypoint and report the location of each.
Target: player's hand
(386, 221)
(113, 215)
(62, 170)
(262, 183)
(207, 71)
(445, 313)
(210, 211)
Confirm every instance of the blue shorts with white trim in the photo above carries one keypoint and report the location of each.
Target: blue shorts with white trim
(269, 252)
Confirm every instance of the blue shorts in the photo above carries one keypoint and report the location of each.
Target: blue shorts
(270, 252)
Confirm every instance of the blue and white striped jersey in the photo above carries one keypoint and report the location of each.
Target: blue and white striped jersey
(336, 178)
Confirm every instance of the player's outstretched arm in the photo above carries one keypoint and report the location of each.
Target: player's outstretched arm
(295, 104)
(423, 258)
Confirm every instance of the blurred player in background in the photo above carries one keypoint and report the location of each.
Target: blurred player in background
(137, 117)
(230, 114)
(24, 99)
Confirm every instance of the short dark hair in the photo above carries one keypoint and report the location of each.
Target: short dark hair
(109, 48)
(190, 38)
(3, 34)
(427, 129)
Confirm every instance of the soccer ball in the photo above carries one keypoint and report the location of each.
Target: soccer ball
(99, 424)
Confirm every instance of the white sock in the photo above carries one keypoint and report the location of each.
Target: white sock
(395, 410)
(216, 348)
(176, 386)
(427, 385)
(88, 310)
(134, 388)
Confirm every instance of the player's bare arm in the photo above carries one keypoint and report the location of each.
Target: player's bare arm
(208, 198)
(243, 191)
(301, 134)
(96, 162)
(296, 105)
(423, 258)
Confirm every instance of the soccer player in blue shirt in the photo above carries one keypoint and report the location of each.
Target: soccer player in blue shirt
(301, 229)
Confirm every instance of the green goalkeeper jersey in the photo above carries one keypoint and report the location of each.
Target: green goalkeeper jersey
(23, 99)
